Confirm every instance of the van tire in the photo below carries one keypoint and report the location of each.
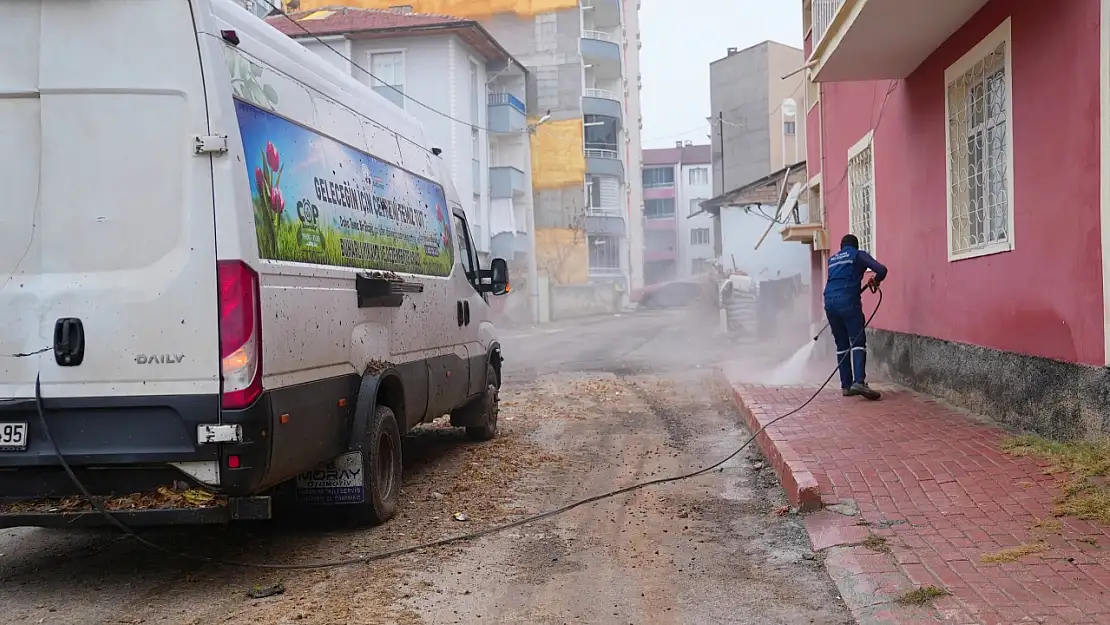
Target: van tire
(381, 469)
(488, 405)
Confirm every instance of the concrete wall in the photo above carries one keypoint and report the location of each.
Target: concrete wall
(747, 88)
(738, 89)
(1044, 298)
(633, 125)
(570, 301)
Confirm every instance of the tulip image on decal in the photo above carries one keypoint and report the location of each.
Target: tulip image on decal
(268, 200)
(273, 159)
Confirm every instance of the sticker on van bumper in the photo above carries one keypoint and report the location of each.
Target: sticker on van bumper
(339, 482)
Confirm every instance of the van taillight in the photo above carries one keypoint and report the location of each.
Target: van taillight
(240, 334)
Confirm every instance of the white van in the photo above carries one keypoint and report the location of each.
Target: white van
(225, 263)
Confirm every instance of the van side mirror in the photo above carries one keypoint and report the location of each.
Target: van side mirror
(495, 279)
(499, 276)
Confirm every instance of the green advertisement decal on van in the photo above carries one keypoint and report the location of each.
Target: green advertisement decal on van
(319, 201)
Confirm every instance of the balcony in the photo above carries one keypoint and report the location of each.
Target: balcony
(605, 221)
(881, 39)
(601, 102)
(603, 51)
(603, 159)
(506, 113)
(506, 183)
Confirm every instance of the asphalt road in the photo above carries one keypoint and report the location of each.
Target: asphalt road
(588, 406)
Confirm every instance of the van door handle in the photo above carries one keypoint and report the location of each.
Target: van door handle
(466, 312)
(459, 312)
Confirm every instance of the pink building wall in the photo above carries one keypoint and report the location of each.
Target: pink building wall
(1044, 298)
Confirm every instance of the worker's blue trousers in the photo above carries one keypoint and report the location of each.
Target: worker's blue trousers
(846, 321)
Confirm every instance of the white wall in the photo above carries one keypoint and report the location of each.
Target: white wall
(437, 73)
(740, 230)
(326, 49)
(686, 192)
(634, 203)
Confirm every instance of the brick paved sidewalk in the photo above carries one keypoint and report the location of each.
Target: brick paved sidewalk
(933, 483)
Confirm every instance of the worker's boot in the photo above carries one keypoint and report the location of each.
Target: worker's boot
(846, 392)
(863, 390)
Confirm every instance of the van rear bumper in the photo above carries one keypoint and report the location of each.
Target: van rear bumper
(126, 444)
(237, 509)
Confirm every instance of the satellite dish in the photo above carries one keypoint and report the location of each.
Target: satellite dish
(789, 107)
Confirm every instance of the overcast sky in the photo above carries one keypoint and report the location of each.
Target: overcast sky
(681, 38)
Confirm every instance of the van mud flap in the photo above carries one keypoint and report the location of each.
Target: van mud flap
(338, 483)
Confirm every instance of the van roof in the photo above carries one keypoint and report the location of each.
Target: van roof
(349, 92)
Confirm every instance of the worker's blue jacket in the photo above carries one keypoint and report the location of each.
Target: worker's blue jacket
(846, 269)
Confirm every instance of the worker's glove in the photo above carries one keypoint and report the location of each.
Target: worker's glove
(872, 285)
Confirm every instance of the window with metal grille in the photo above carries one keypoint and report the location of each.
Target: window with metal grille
(605, 251)
(861, 193)
(980, 127)
(699, 236)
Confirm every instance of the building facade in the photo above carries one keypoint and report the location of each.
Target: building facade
(583, 84)
(678, 239)
(966, 145)
(756, 115)
(409, 58)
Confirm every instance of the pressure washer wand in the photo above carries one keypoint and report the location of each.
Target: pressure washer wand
(870, 286)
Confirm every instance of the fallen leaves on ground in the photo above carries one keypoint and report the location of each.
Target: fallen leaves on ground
(1086, 464)
(164, 497)
(1013, 554)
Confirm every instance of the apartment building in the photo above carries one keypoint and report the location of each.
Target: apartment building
(757, 121)
(482, 132)
(966, 144)
(582, 81)
(261, 8)
(677, 233)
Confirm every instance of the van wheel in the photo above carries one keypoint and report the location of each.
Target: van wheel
(381, 469)
(488, 404)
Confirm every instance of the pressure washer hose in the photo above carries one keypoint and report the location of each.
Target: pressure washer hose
(99, 507)
(874, 288)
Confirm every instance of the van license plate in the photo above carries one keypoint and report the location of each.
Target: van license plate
(13, 436)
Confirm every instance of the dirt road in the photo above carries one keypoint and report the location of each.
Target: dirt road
(587, 407)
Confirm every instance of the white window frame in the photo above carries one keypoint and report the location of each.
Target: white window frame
(704, 171)
(404, 71)
(1000, 36)
(867, 143)
(706, 231)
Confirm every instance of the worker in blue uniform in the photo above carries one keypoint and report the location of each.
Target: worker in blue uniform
(844, 310)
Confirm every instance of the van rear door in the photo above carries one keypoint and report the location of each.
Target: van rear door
(107, 212)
